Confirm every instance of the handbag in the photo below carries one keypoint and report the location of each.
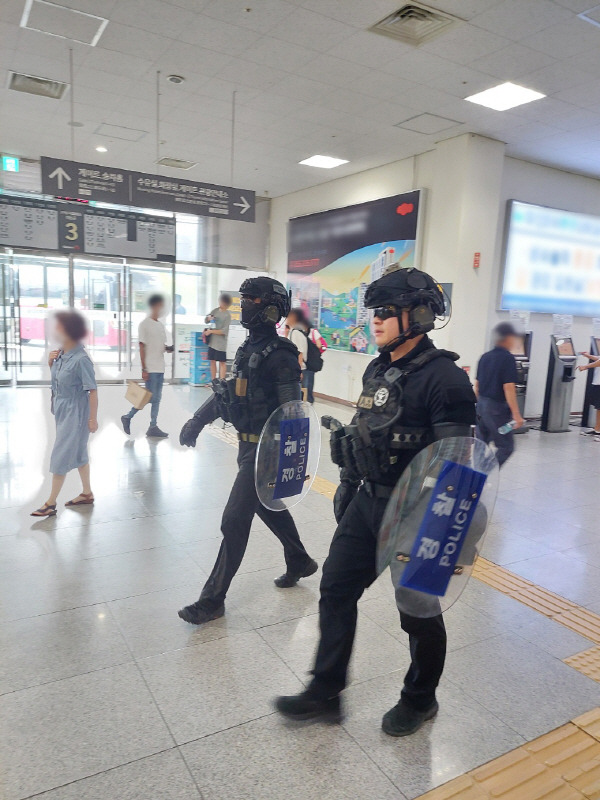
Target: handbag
(137, 394)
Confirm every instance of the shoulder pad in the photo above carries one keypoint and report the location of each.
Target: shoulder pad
(280, 344)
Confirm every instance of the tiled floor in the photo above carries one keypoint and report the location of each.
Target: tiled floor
(105, 693)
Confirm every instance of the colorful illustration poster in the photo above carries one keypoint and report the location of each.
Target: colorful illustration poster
(334, 255)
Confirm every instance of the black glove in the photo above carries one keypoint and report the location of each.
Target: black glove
(342, 498)
(190, 432)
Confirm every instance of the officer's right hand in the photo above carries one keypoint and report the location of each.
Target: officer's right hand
(520, 422)
(189, 433)
(342, 498)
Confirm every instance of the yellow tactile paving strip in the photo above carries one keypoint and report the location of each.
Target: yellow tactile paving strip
(561, 765)
(587, 663)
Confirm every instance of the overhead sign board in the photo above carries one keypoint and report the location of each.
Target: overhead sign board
(81, 229)
(123, 187)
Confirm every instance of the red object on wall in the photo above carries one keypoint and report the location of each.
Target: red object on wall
(405, 208)
(476, 260)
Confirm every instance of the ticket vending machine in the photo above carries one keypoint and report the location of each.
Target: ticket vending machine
(559, 385)
(521, 352)
(588, 411)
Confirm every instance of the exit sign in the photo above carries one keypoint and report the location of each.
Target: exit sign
(10, 163)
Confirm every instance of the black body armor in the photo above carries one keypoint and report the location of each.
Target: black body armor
(250, 396)
(384, 433)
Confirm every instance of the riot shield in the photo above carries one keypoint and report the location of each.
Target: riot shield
(435, 522)
(287, 455)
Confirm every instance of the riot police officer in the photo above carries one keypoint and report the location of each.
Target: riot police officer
(266, 374)
(413, 394)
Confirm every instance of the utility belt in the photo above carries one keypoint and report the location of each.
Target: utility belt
(378, 490)
(368, 454)
(248, 437)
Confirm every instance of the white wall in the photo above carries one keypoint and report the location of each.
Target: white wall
(533, 183)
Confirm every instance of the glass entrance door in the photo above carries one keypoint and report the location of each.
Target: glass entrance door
(99, 293)
(144, 280)
(7, 349)
(40, 283)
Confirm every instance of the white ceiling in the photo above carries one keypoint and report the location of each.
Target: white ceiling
(309, 79)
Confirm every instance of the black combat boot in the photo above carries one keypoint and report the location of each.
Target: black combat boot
(402, 720)
(289, 579)
(199, 612)
(308, 706)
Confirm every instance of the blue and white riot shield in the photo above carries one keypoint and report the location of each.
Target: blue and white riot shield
(287, 456)
(435, 523)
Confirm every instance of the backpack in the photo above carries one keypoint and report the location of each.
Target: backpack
(314, 359)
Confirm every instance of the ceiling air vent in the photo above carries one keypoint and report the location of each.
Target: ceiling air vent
(31, 84)
(176, 163)
(414, 23)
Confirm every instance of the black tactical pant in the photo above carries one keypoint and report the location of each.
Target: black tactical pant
(242, 505)
(350, 568)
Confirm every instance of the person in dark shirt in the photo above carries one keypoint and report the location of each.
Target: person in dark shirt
(496, 392)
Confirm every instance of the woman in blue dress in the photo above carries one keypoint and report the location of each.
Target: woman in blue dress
(75, 409)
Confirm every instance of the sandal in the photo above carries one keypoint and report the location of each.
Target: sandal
(86, 500)
(45, 511)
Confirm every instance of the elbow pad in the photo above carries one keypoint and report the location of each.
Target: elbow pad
(288, 391)
(445, 430)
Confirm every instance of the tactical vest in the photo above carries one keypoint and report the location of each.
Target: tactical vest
(367, 448)
(244, 399)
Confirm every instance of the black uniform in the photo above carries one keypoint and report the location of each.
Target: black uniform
(266, 374)
(436, 400)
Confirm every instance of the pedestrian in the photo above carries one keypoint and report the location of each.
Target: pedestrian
(593, 363)
(152, 337)
(75, 408)
(413, 394)
(496, 391)
(217, 337)
(311, 361)
(266, 374)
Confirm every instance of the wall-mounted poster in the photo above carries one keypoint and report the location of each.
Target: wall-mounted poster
(334, 255)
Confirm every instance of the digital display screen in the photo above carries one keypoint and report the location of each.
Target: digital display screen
(552, 262)
(565, 347)
(518, 348)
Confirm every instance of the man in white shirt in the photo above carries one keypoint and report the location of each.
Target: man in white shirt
(153, 345)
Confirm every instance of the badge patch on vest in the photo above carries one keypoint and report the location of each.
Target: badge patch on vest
(381, 396)
(365, 401)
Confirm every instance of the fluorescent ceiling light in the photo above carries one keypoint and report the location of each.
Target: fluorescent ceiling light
(101, 149)
(505, 96)
(324, 162)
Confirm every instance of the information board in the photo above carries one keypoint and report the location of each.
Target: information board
(73, 228)
(28, 223)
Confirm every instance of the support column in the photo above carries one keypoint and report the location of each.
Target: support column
(462, 220)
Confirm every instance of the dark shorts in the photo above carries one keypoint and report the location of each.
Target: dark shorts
(595, 396)
(216, 355)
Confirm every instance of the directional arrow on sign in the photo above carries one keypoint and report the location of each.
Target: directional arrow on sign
(61, 176)
(244, 205)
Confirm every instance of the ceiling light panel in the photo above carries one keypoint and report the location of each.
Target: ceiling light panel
(323, 162)
(505, 96)
(66, 23)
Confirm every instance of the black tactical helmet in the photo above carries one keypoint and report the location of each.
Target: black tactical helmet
(274, 301)
(407, 288)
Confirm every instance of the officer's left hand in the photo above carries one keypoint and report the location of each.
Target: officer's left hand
(189, 434)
